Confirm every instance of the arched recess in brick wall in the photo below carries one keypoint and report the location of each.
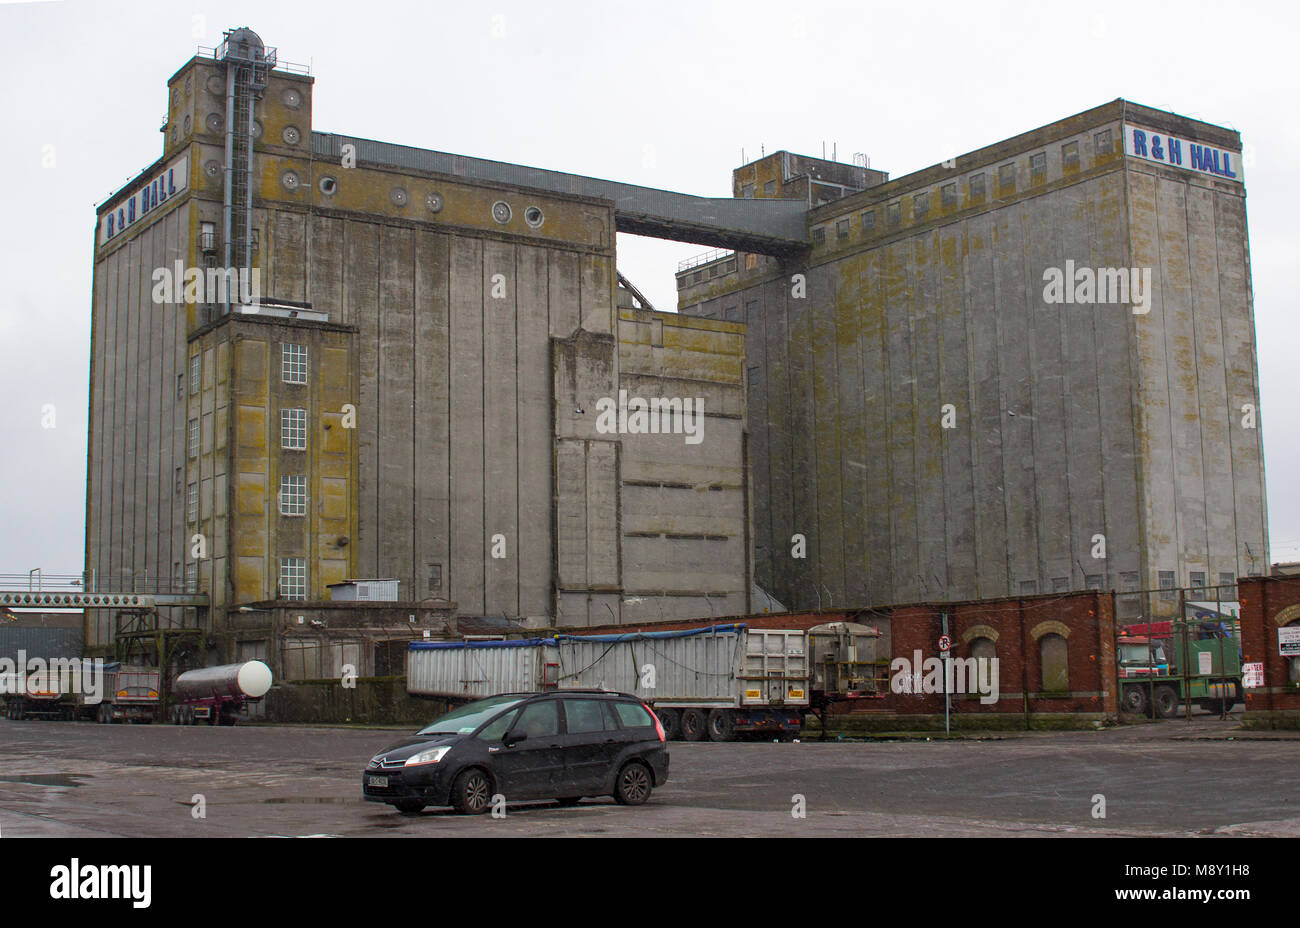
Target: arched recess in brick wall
(980, 631)
(1054, 663)
(983, 648)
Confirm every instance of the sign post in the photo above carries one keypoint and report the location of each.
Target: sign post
(945, 645)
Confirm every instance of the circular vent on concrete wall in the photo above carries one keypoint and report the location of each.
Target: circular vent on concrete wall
(328, 186)
(399, 196)
(212, 168)
(213, 122)
(257, 129)
(501, 211)
(434, 202)
(534, 217)
(291, 135)
(290, 181)
(215, 85)
(291, 98)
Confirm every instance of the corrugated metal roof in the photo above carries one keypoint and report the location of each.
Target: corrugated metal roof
(764, 226)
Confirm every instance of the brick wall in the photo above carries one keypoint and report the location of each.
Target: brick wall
(1268, 603)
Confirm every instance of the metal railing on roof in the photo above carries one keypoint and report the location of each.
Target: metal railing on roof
(272, 60)
(708, 257)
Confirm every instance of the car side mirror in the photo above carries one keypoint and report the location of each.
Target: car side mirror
(514, 738)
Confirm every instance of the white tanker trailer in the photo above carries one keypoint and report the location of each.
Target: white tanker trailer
(217, 695)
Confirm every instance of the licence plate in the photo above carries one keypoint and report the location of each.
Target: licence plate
(380, 782)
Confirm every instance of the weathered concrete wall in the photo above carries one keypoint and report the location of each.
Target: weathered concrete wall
(932, 305)
(1197, 397)
(137, 417)
(1065, 421)
(684, 517)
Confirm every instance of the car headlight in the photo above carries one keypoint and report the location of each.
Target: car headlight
(431, 756)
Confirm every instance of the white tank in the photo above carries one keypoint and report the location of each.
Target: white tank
(249, 680)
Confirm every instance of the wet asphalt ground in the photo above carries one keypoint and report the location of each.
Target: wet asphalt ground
(78, 779)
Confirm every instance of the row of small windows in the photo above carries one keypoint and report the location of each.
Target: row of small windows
(976, 186)
(1130, 580)
(293, 368)
(293, 431)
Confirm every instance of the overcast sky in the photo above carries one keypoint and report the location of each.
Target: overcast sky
(661, 94)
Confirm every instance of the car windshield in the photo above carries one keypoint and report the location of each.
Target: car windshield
(466, 719)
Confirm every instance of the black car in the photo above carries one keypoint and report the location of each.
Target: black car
(557, 745)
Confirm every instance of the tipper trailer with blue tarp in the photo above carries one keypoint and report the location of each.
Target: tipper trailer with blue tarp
(710, 682)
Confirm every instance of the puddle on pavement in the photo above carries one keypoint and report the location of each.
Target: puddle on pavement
(63, 780)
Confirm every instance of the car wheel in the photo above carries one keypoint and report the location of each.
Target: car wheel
(1135, 700)
(1166, 702)
(671, 720)
(409, 806)
(472, 792)
(632, 788)
(721, 727)
(693, 725)
(569, 800)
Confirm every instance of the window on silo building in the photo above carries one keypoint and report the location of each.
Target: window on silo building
(869, 220)
(753, 376)
(747, 191)
(751, 312)
(920, 205)
(1227, 586)
(435, 578)
(293, 577)
(1070, 154)
(769, 189)
(976, 184)
(1167, 581)
(1007, 177)
(192, 503)
(194, 438)
(1060, 584)
(1198, 582)
(732, 314)
(1094, 581)
(948, 195)
(1038, 166)
(1028, 587)
(842, 229)
(1102, 142)
(894, 213)
(293, 494)
(819, 235)
(196, 372)
(293, 429)
(293, 363)
(1054, 660)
